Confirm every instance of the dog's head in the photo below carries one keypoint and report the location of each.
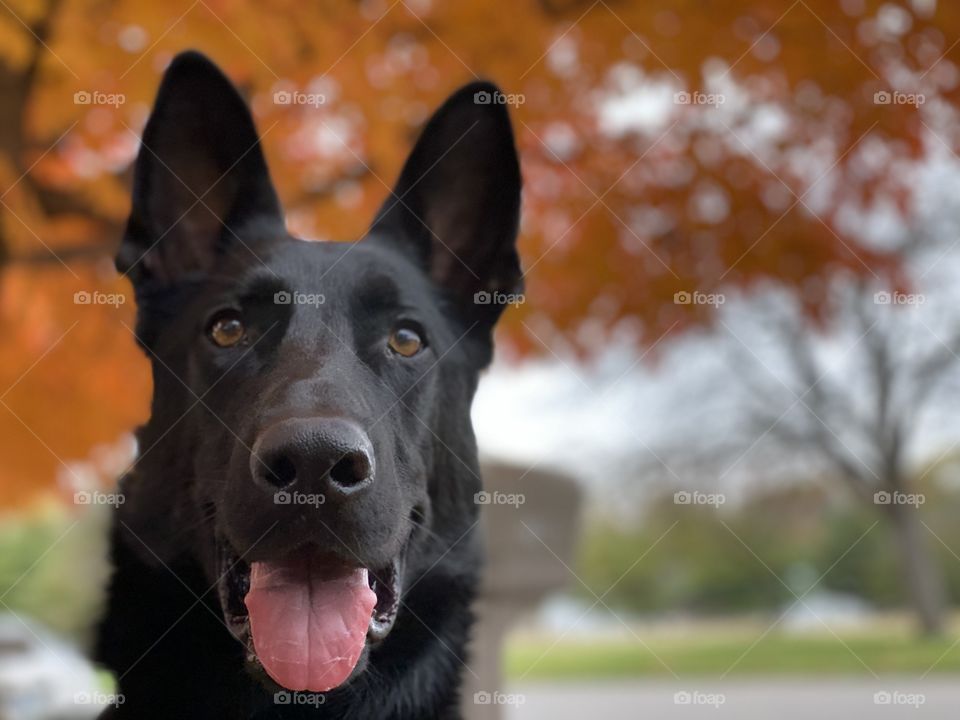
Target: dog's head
(310, 443)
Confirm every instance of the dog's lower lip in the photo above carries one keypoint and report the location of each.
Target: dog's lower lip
(234, 583)
(386, 584)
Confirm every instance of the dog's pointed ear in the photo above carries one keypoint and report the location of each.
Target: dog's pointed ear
(456, 206)
(199, 176)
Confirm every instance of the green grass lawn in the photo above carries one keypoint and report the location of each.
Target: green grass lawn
(532, 659)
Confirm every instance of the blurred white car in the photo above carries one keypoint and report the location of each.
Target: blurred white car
(42, 677)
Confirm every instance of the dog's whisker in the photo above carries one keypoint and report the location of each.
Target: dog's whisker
(427, 531)
(207, 516)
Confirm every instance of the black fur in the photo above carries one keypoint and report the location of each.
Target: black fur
(446, 233)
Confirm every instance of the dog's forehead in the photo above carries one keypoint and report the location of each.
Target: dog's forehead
(353, 269)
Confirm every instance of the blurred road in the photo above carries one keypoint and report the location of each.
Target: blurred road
(740, 699)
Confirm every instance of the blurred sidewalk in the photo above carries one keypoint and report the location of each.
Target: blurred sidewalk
(742, 699)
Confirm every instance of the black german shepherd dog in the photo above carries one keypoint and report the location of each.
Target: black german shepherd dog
(297, 538)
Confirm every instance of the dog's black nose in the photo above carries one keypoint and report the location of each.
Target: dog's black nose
(313, 455)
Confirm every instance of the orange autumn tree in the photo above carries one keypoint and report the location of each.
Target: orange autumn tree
(668, 146)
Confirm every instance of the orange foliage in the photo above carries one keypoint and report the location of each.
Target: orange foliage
(615, 223)
(71, 375)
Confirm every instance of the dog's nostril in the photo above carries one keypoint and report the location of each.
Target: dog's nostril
(315, 455)
(280, 472)
(351, 470)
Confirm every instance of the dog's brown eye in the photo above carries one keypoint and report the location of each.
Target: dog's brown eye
(226, 329)
(405, 341)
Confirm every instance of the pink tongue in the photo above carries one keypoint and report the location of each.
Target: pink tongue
(308, 621)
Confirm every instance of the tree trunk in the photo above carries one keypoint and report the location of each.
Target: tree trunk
(920, 570)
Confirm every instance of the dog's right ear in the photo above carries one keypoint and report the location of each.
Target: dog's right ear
(199, 176)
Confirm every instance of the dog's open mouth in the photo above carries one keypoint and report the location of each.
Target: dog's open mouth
(306, 618)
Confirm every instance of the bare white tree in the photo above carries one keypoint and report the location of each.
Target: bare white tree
(869, 396)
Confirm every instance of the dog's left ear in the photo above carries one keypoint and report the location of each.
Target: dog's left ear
(200, 176)
(456, 205)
